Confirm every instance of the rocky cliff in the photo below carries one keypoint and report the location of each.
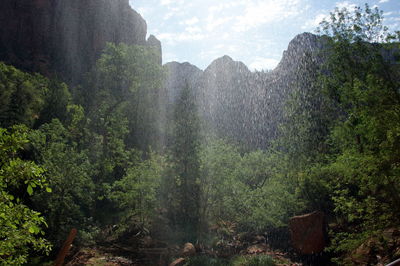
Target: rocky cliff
(180, 75)
(65, 37)
(248, 106)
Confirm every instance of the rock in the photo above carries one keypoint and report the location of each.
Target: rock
(259, 239)
(152, 41)
(180, 75)
(256, 249)
(65, 37)
(188, 250)
(178, 262)
(307, 233)
(380, 249)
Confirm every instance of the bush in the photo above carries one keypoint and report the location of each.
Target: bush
(205, 260)
(259, 260)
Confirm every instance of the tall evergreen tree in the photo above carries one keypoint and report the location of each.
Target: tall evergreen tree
(186, 142)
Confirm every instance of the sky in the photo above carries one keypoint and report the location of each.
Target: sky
(255, 32)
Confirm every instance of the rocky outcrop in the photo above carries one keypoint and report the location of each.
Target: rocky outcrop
(380, 249)
(308, 233)
(152, 41)
(65, 37)
(302, 45)
(242, 105)
(180, 75)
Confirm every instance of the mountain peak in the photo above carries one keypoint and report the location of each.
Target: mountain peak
(226, 63)
(304, 44)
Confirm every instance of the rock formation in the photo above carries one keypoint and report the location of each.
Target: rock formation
(242, 105)
(308, 233)
(65, 37)
(152, 41)
(180, 75)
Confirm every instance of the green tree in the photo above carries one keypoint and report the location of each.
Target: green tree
(123, 113)
(136, 194)
(21, 96)
(250, 190)
(20, 225)
(57, 98)
(68, 172)
(184, 184)
(362, 82)
(128, 80)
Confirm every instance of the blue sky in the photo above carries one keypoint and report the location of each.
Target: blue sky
(255, 32)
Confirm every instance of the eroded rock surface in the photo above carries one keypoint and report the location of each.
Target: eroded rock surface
(307, 233)
(65, 37)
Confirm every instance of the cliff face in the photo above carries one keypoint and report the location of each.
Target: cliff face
(180, 75)
(243, 105)
(65, 37)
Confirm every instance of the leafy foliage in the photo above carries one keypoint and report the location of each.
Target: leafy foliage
(259, 260)
(127, 80)
(68, 173)
(21, 96)
(136, 194)
(182, 190)
(248, 189)
(21, 226)
(362, 173)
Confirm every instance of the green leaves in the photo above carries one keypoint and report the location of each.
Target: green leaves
(248, 189)
(29, 190)
(19, 224)
(359, 172)
(34, 229)
(21, 96)
(68, 185)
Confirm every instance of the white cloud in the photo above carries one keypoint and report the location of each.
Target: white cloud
(261, 63)
(165, 2)
(345, 4)
(209, 55)
(383, 1)
(168, 57)
(193, 29)
(168, 15)
(257, 13)
(312, 24)
(213, 23)
(177, 37)
(143, 11)
(191, 21)
(222, 6)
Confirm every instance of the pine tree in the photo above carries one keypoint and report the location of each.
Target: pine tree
(186, 142)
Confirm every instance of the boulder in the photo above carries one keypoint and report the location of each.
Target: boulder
(308, 233)
(380, 249)
(188, 250)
